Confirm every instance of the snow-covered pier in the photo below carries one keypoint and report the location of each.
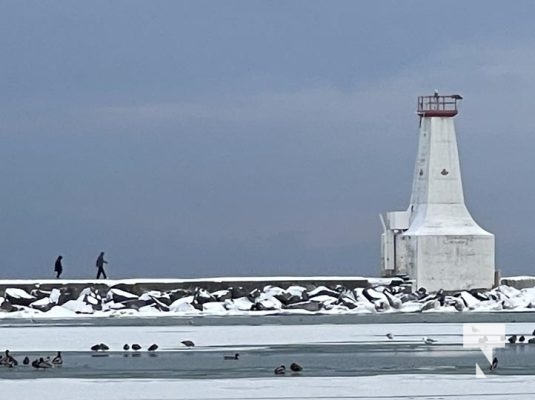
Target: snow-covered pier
(141, 285)
(248, 296)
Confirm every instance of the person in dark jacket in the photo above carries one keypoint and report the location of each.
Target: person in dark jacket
(58, 268)
(100, 265)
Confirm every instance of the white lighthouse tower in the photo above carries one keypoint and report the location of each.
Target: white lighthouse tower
(436, 242)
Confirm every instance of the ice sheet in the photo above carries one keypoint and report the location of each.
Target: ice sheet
(399, 387)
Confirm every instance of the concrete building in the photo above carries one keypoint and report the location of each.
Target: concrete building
(436, 242)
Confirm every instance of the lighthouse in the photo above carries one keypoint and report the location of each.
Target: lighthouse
(436, 242)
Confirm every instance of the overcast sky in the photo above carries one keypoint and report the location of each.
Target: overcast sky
(213, 138)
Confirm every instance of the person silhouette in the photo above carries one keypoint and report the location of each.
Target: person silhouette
(100, 265)
(58, 268)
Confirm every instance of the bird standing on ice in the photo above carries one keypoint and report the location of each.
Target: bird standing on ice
(494, 364)
(57, 360)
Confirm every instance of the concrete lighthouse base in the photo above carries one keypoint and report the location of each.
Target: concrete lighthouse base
(449, 262)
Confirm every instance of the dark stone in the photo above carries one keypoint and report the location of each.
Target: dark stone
(39, 294)
(257, 307)
(65, 296)
(305, 305)
(252, 296)
(42, 307)
(119, 298)
(165, 300)
(159, 305)
(238, 292)
(135, 304)
(202, 296)
(460, 304)
(408, 297)
(340, 288)
(227, 295)
(347, 302)
(20, 301)
(441, 297)
(283, 297)
(7, 306)
(323, 292)
(371, 295)
(478, 295)
(178, 294)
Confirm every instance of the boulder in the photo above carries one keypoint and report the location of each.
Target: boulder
(254, 294)
(44, 304)
(298, 291)
(222, 295)
(78, 307)
(63, 295)
(6, 306)
(162, 298)
(39, 294)
(160, 306)
(347, 302)
(394, 302)
(196, 305)
(460, 304)
(381, 305)
(323, 291)
(372, 295)
(19, 297)
(478, 295)
(178, 294)
(239, 304)
(135, 304)
(310, 305)
(202, 296)
(430, 305)
(119, 295)
(238, 292)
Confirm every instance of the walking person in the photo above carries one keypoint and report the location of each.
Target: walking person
(100, 265)
(58, 268)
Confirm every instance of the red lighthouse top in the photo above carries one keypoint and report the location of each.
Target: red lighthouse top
(438, 106)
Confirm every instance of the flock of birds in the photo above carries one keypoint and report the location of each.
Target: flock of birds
(294, 367)
(7, 360)
(101, 347)
(521, 339)
(280, 370)
(136, 347)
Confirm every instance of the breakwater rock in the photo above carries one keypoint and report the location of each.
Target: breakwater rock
(232, 296)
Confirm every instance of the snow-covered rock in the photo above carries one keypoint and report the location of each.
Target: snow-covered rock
(19, 297)
(118, 295)
(78, 307)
